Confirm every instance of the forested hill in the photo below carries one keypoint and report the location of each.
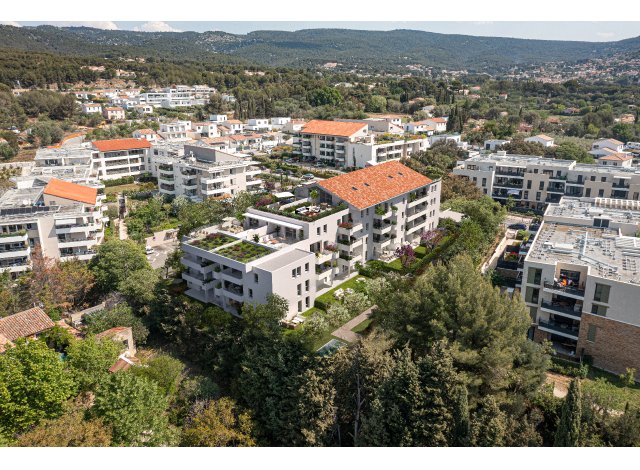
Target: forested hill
(315, 46)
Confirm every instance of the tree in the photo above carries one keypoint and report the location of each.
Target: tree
(406, 254)
(455, 186)
(90, 360)
(219, 423)
(164, 370)
(135, 408)
(45, 133)
(120, 315)
(623, 132)
(69, 430)
(34, 385)
(461, 435)
(317, 409)
(571, 151)
(116, 261)
(489, 424)
(139, 287)
(568, 431)
(520, 147)
(325, 96)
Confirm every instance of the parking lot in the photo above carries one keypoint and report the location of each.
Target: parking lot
(162, 248)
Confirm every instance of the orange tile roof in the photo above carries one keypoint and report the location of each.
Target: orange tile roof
(375, 184)
(24, 324)
(437, 119)
(620, 157)
(146, 131)
(121, 144)
(543, 137)
(71, 191)
(342, 129)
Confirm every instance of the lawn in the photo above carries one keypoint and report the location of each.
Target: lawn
(120, 188)
(244, 251)
(361, 327)
(213, 241)
(326, 299)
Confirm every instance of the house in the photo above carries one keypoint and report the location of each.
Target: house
(205, 129)
(611, 144)
(293, 126)
(541, 139)
(622, 160)
(438, 123)
(117, 158)
(123, 335)
(143, 109)
(494, 144)
(258, 125)
(419, 127)
(147, 134)
(115, 113)
(26, 324)
(296, 254)
(91, 108)
(218, 118)
(234, 126)
(66, 220)
(585, 304)
(279, 122)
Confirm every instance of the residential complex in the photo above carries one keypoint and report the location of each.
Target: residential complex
(64, 219)
(581, 281)
(534, 182)
(346, 144)
(298, 245)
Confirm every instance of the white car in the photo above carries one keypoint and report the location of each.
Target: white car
(148, 250)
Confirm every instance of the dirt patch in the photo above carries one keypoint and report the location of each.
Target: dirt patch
(560, 384)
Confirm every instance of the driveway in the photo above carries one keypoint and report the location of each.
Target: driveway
(161, 252)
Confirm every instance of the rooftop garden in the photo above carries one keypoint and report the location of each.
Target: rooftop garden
(213, 241)
(244, 252)
(315, 212)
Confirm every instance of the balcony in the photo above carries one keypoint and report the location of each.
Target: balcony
(576, 182)
(561, 329)
(15, 252)
(624, 185)
(15, 237)
(509, 172)
(558, 177)
(194, 278)
(508, 184)
(564, 310)
(417, 198)
(554, 287)
(349, 228)
(77, 243)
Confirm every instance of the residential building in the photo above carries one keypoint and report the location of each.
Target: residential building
(581, 281)
(623, 160)
(297, 247)
(495, 144)
(26, 324)
(258, 125)
(114, 113)
(117, 158)
(64, 219)
(438, 123)
(611, 144)
(379, 125)
(205, 129)
(177, 96)
(200, 172)
(541, 139)
(233, 126)
(293, 126)
(147, 134)
(455, 138)
(279, 122)
(176, 130)
(91, 108)
(143, 109)
(419, 127)
(533, 182)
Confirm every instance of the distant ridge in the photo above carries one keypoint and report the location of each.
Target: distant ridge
(310, 47)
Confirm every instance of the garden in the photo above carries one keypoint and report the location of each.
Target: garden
(213, 241)
(244, 251)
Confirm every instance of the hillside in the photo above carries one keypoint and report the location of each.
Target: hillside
(315, 46)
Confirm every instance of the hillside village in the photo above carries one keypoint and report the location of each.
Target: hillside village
(191, 244)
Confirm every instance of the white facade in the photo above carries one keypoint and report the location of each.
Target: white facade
(279, 122)
(91, 108)
(494, 144)
(541, 139)
(177, 130)
(113, 159)
(257, 125)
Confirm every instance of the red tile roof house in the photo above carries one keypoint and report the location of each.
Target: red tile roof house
(124, 335)
(26, 324)
(118, 158)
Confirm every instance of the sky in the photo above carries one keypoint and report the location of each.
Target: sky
(559, 30)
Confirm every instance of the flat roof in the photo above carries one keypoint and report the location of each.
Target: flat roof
(283, 259)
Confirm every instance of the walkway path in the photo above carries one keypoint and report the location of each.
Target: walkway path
(345, 333)
(122, 230)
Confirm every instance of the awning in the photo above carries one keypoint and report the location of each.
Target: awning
(273, 221)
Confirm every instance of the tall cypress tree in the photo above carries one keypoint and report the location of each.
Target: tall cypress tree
(461, 435)
(568, 432)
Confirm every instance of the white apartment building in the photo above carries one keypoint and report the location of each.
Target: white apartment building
(200, 172)
(494, 144)
(533, 182)
(176, 130)
(380, 125)
(232, 126)
(180, 95)
(581, 281)
(279, 122)
(419, 127)
(296, 247)
(147, 134)
(117, 158)
(258, 125)
(293, 126)
(65, 219)
(205, 129)
(91, 108)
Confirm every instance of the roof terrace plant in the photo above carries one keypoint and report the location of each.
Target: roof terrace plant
(213, 241)
(244, 251)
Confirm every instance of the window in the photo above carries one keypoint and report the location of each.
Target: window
(531, 295)
(299, 305)
(324, 228)
(293, 273)
(588, 192)
(318, 230)
(534, 275)
(306, 267)
(591, 333)
(255, 278)
(533, 313)
(593, 178)
(306, 285)
(599, 310)
(484, 181)
(526, 194)
(541, 185)
(251, 293)
(601, 293)
(307, 303)
(603, 179)
(538, 196)
(601, 193)
(299, 289)
(528, 184)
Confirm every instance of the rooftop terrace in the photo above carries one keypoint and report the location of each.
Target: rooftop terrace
(231, 247)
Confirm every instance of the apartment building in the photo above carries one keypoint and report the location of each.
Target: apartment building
(65, 219)
(200, 172)
(348, 143)
(177, 130)
(279, 122)
(295, 246)
(180, 95)
(381, 125)
(534, 182)
(113, 113)
(258, 125)
(581, 281)
(117, 158)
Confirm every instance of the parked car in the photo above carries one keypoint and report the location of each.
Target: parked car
(308, 176)
(518, 227)
(148, 250)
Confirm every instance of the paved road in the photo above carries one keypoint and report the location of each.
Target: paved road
(161, 252)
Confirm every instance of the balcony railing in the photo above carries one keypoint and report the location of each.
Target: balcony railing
(560, 328)
(556, 307)
(566, 289)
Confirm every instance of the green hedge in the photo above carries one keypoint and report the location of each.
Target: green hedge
(119, 181)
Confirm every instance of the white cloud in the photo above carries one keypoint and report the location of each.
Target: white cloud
(605, 35)
(11, 23)
(89, 24)
(156, 27)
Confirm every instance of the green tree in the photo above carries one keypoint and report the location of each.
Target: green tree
(34, 385)
(219, 423)
(116, 261)
(489, 424)
(325, 96)
(135, 408)
(571, 151)
(568, 432)
(164, 370)
(120, 315)
(461, 436)
(90, 360)
(139, 287)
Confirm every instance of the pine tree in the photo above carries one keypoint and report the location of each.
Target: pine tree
(489, 424)
(568, 432)
(461, 435)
